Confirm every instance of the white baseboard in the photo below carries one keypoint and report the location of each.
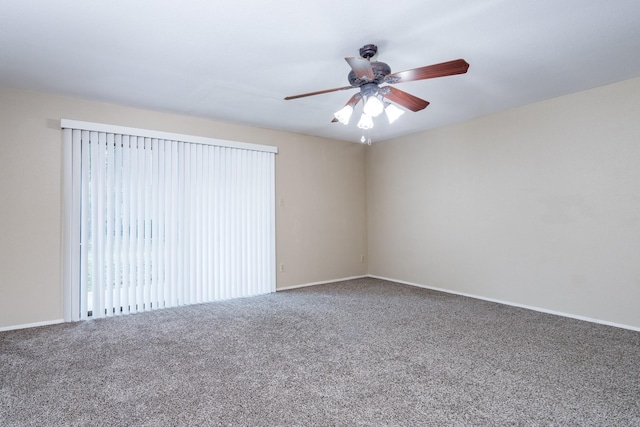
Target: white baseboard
(31, 325)
(528, 307)
(320, 283)
(404, 282)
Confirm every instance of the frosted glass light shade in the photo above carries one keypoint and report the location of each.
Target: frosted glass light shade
(373, 107)
(393, 113)
(344, 115)
(366, 122)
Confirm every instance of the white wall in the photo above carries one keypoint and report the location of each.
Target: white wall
(320, 231)
(538, 206)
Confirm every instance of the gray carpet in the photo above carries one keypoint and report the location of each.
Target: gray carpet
(362, 352)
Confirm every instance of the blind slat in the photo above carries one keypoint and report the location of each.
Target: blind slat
(109, 224)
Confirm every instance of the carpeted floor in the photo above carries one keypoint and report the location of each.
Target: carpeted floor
(362, 352)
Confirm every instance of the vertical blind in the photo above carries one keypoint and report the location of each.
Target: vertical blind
(158, 222)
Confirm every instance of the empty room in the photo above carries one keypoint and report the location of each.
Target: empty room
(319, 213)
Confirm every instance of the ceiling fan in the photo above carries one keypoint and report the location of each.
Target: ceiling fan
(368, 75)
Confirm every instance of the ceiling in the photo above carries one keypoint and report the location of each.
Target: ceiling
(235, 61)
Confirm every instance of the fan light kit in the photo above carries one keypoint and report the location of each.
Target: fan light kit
(368, 75)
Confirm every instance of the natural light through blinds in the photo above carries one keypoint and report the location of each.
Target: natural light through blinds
(160, 222)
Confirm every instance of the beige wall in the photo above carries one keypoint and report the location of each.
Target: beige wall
(320, 230)
(538, 206)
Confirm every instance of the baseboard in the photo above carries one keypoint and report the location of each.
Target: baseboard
(512, 304)
(31, 325)
(404, 282)
(305, 285)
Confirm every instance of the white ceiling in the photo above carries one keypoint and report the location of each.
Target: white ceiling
(236, 60)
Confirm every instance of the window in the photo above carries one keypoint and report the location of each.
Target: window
(156, 220)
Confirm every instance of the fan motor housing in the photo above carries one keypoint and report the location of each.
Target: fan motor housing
(380, 71)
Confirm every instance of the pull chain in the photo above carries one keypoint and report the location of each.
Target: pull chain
(366, 140)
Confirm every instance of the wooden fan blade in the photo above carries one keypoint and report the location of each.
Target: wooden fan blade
(320, 92)
(353, 101)
(361, 67)
(405, 99)
(450, 68)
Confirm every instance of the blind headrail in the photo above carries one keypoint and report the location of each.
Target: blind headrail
(147, 133)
